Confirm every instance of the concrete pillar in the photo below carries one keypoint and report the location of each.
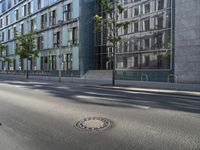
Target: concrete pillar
(187, 41)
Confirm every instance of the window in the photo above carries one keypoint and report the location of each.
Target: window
(53, 62)
(2, 36)
(3, 6)
(136, 11)
(146, 43)
(147, 25)
(147, 8)
(126, 13)
(146, 60)
(125, 31)
(159, 61)
(32, 24)
(136, 27)
(159, 40)
(67, 59)
(7, 20)
(135, 61)
(135, 45)
(1, 23)
(119, 49)
(21, 64)
(52, 17)
(39, 4)
(56, 39)
(15, 31)
(125, 46)
(16, 14)
(43, 21)
(67, 12)
(40, 42)
(22, 28)
(9, 4)
(124, 62)
(160, 4)
(160, 22)
(74, 35)
(7, 52)
(15, 2)
(29, 8)
(24, 10)
(130, 45)
(44, 63)
(8, 34)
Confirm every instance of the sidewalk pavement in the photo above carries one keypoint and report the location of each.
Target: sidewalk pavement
(158, 91)
(128, 85)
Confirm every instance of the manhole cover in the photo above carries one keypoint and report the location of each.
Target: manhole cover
(93, 124)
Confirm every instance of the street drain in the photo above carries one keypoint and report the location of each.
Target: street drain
(0, 124)
(93, 124)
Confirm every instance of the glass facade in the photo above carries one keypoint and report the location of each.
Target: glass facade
(147, 48)
(146, 44)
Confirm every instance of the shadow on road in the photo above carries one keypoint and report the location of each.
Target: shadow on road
(102, 96)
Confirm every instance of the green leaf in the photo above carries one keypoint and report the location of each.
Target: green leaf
(109, 23)
(120, 9)
(26, 45)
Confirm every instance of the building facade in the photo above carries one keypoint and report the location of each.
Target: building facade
(160, 44)
(145, 52)
(63, 33)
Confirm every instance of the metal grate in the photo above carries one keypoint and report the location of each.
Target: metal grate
(93, 124)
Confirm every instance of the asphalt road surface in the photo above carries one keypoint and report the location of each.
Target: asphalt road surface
(42, 116)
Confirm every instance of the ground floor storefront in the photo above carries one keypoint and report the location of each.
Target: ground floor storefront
(66, 60)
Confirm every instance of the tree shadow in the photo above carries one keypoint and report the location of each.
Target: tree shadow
(109, 97)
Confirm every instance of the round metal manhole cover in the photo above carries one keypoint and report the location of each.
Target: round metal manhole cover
(93, 124)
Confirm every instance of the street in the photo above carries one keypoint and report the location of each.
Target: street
(38, 115)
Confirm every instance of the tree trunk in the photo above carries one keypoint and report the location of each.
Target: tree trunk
(26, 68)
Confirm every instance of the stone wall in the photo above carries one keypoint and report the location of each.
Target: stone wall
(187, 41)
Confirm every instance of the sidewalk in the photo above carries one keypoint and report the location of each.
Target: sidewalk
(138, 86)
(156, 91)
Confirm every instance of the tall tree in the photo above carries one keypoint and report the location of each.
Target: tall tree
(26, 47)
(111, 9)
